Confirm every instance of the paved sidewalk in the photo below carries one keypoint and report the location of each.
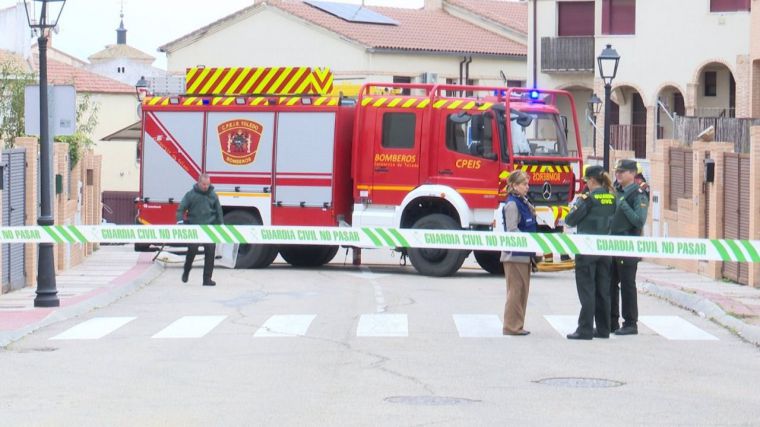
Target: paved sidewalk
(732, 306)
(110, 273)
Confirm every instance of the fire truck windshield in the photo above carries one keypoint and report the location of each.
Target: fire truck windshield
(543, 136)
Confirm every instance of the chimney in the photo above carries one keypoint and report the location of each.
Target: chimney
(433, 4)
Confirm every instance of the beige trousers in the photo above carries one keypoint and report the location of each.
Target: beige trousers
(518, 285)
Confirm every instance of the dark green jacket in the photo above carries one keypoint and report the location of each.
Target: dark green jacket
(593, 212)
(201, 207)
(631, 214)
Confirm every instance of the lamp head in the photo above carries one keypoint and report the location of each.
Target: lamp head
(43, 14)
(608, 64)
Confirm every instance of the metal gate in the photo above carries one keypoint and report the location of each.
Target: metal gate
(14, 202)
(119, 207)
(681, 175)
(736, 210)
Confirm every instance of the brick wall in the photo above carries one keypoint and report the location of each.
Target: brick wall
(754, 199)
(694, 218)
(78, 203)
(743, 86)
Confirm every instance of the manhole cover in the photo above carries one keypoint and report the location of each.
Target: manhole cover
(580, 382)
(430, 400)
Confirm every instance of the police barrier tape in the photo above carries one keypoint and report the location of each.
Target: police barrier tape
(672, 248)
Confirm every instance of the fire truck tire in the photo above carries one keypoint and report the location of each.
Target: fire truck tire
(489, 261)
(308, 255)
(250, 256)
(436, 262)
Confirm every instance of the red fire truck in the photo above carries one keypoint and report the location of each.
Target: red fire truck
(280, 152)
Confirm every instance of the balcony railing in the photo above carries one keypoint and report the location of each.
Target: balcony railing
(629, 138)
(567, 54)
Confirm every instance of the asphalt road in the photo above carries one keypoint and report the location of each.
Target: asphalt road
(376, 345)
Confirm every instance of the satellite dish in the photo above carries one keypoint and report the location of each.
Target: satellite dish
(707, 135)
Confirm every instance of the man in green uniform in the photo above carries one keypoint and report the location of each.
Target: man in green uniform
(629, 219)
(592, 214)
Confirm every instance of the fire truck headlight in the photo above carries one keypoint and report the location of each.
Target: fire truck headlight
(306, 101)
(240, 101)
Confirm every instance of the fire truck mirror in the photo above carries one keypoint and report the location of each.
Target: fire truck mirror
(476, 128)
(563, 119)
(522, 119)
(461, 117)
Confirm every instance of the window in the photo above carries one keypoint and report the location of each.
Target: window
(576, 18)
(398, 130)
(729, 5)
(711, 83)
(619, 17)
(470, 82)
(515, 83)
(473, 137)
(403, 79)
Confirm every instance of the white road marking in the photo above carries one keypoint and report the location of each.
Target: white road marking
(478, 325)
(94, 328)
(563, 324)
(285, 325)
(383, 325)
(676, 328)
(190, 327)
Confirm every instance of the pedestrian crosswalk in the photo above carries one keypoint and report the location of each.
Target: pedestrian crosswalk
(377, 325)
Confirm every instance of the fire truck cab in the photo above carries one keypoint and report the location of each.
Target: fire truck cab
(440, 161)
(400, 155)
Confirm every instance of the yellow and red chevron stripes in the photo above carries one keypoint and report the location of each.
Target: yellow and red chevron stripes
(410, 102)
(544, 168)
(231, 100)
(258, 80)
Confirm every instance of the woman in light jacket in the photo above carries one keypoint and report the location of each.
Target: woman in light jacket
(519, 216)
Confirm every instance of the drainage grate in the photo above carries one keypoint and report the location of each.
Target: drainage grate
(430, 400)
(580, 382)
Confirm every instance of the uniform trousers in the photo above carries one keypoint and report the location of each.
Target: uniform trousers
(209, 251)
(518, 285)
(623, 287)
(592, 280)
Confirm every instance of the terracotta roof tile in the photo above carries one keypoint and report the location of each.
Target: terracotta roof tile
(507, 12)
(83, 80)
(418, 30)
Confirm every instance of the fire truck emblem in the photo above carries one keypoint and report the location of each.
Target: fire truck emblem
(239, 141)
(547, 193)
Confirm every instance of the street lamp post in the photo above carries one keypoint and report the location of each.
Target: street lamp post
(594, 107)
(49, 12)
(608, 64)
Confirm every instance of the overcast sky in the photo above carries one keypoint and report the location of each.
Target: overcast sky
(87, 26)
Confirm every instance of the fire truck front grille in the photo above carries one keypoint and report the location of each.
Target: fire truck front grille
(548, 195)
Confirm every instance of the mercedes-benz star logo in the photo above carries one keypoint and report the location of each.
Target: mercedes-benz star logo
(547, 193)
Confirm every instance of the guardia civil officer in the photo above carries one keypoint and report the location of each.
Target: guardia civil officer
(630, 215)
(592, 214)
(201, 206)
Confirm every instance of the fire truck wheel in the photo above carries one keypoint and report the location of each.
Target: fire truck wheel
(489, 261)
(436, 262)
(308, 255)
(250, 256)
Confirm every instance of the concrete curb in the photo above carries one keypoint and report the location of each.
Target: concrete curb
(703, 307)
(99, 301)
